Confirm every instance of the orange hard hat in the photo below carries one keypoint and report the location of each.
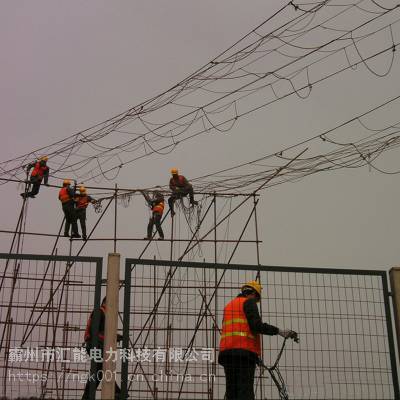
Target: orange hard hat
(253, 285)
(174, 171)
(66, 182)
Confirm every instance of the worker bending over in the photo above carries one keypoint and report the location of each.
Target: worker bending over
(82, 200)
(180, 187)
(157, 208)
(240, 344)
(40, 172)
(66, 196)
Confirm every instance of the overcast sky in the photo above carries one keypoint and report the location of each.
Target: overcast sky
(68, 65)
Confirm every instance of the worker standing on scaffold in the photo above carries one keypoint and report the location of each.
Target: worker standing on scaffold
(180, 187)
(240, 344)
(40, 172)
(157, 208)
(66, 195)
(82, 200)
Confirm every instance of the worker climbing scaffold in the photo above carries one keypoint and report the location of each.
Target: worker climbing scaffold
(40, 172)
(180, 187)
(157, 208)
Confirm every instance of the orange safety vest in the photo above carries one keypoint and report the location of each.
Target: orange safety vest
(38, 170)
(89, 325)
(82, 201)
(64, 196)
(158, 208)
(236, 333)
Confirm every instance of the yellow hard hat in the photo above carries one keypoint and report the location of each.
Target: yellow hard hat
(174, 171)
(82, 189)
(43, 158)
(66, 182)
(253, 285)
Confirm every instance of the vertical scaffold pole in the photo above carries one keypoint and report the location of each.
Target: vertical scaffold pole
(111, 325)
(115, 217)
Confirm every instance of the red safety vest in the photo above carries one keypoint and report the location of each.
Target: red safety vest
(89, 325)
(180, 182)
(63, 195)
(39, 171)
(236, 333)
(82, 201)
(158, 208)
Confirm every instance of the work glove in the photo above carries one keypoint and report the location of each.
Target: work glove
(119, 337)
(289, 334)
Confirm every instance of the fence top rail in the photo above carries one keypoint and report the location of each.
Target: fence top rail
(49, 257)
(249, 267)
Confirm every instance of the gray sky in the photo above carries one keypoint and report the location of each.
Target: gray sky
(69, 65)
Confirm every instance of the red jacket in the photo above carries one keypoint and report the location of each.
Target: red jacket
(39, 171)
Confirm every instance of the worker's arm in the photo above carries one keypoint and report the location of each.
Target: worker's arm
(30, 166)
(186, 184)
(71, 192)
(100, 327)
(254, 319)
(147, 197)
(172, 185)
(46, 176)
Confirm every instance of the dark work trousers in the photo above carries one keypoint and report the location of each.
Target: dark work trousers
(81, 216)
(155, 219)
(97, 377)
(239, 376)
(35, 186)
(70, 218)
(179, 194)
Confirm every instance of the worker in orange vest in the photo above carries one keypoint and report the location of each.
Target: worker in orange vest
(180, 187)
(89, 339)
(240, 344)
(66, 195)
(40, 172)
(82, 200)
(157, 208)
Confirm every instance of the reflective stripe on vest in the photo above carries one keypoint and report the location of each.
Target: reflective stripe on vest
(64, 196)
(234, 321)
(38, 170)
(236, 333)
(158, 208)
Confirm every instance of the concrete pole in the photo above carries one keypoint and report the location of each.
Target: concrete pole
(394, 274)
(111, 325)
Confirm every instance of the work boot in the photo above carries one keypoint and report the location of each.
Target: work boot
(147, 238)
(84, 238)
(23, 195)
(75, 235)
(66, 234)
(161, 238)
